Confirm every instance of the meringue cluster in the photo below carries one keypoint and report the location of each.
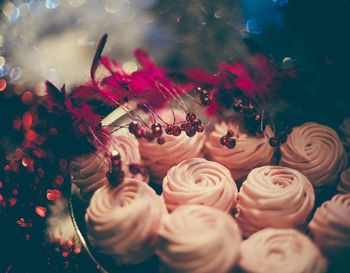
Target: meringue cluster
(222, 208)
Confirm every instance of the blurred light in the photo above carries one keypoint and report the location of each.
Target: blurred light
(2, 61)
(52, 4)
(85, 41)
(3, 85)
(15, 74)
(40, 89)
(11, 12)
(218, 14)
(113, 6)
(27, 97)
(76, 3)
(281, 3)
(24, 9)
(288, 63)
(129, 67)
(253, 27)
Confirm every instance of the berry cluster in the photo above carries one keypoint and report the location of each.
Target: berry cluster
(135, 168)
(191, 126)
(116, 174)
(204, 96)
(245, 106)
(280, 137)
(229, 140)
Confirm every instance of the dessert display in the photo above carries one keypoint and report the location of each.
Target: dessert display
(123, 221)
(345, 134)
(344, 185)
(89, 172)
(199, 181)
(248, 153)
(316, 151)
(330, 227)
(280, 250)
(276, 197)
(196, 238)
(128, 149)
(176, 148)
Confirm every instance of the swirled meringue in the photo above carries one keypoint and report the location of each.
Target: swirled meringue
(89, 172)
(128, 149)
(198, 239)
(281, 250)
(345, 134)
(123, 222)
(316, 151)
(344, 185)
(330, 226)
(199, 181)
(160, 158)
(274, 196)
(250, 151)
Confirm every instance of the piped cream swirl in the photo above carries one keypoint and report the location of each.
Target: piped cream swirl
(274, 196)
(344, 185)
(123, 222)
(89, 172)
(198, 239)
(199, 181)
(281, 250)
(128, 149)
(250, 151)
(330, 226)
(316, 151)
(160, 158)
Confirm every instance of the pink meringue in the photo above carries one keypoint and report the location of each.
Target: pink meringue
(198, 239)
(250, 151)
(281, 250)
(330, 226)
(128, 149)
(123, 222)
(89, 172)
(274, 196)
(202, 182)
(316, 151)
(160, 158)
(344, 185)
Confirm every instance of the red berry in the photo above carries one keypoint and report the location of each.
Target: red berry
(156, 129)
(186, 126)
(205, 101)
(169, 130)
(200, 128)
(176, 131)
(148, 135)
(198, 90)
(160, 140)
(230, 133)
(133, 126)
(223, 140)
(190, 117)
(191, 132)
(273, 142)
(134, 168)
(196, 122)
(139, 133)
(231, 143)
